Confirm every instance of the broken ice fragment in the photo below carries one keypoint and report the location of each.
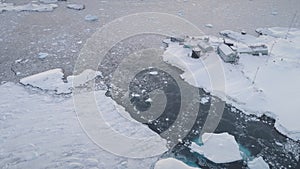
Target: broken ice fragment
(274, 13)
(171, 163)
(204, 100)
(258, 163)
(48, 1)
(27, 7)
(218, 148)
(76, 6)
(52, 80)
(148, 100)
(153, 73)
(90, 17)
(42, 55)
(208, 25)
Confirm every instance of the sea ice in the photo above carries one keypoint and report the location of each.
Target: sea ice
(42, 131)
(48, 1)
(218, 148)
(171, 163)
(258, 163)
(42, 55)
(267, 84)
(27, 7)
(52, 80)
(90, 17)
(208, 25)
(76, 6)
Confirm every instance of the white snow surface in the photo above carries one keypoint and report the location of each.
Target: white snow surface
(52, 80)
(39, 130)
(258, 163)
(275, 89)
(218, 148)
(171, 163)
(27, 7)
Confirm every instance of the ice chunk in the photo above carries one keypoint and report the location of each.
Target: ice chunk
(204, 100)
(208, 25)
(52, 80)
(27, 7)
(218, 148)
(90, 17)
(148, 100)
(258, 163)
(42, 55)
(171, 163)
(76, 6)
(153, 73)
(48, 1)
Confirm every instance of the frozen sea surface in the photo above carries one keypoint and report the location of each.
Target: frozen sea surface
(62, 33)
(48, 134)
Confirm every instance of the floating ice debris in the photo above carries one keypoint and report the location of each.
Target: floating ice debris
(274, 13)
(90, 17)
(76, 6)
(208, 25)
(52, 80)
(18, 60)
(258, 163)
(153, 73)
(148, 100)
(204, 100)
(27, 7)
(218, 148)
(135, 95)
(171, 163)
(42, 55)
(48, 1)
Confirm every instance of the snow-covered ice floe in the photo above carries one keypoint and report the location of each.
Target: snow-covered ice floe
(256, 84)
(48, 134)
(171, 163)
(258, 163)
(218, 148)
(27, 7)
(53, 80)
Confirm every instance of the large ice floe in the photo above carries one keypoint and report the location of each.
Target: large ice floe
(40, 129)
(264, 80)
(53, 80)
(218, 148)
(171, 163)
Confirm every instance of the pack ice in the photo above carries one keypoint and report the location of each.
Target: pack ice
(41, 129)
